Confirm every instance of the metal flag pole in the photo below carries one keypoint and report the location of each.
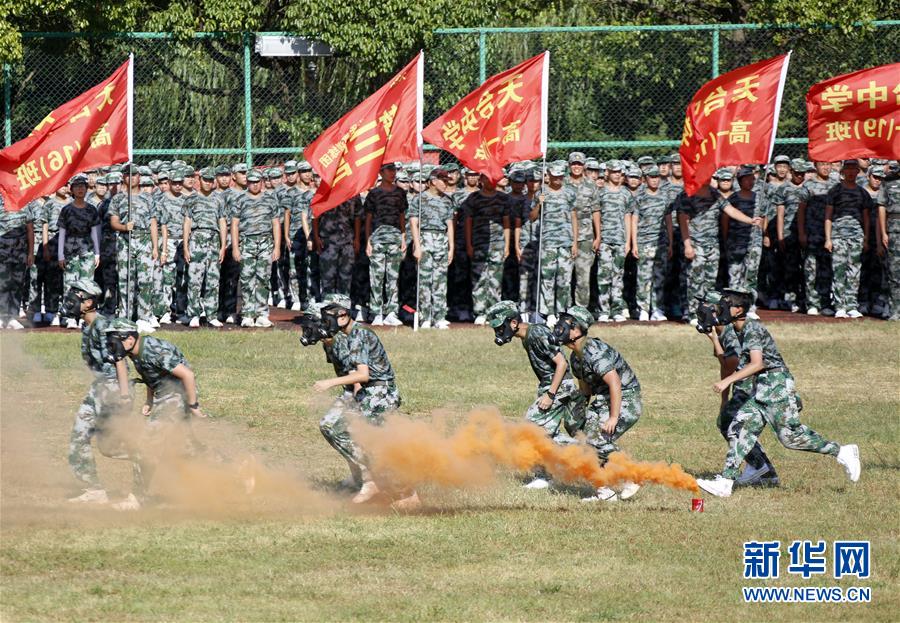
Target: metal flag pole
(128, 186)
(418, 263)
(545, 78)
(538, 294)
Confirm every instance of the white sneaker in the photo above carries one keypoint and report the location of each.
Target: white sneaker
(409, 503)
(368, 491)
(91, 496)
(14, 324)
(425, 325)
(154, 322)
(644, 316)
(215, 322)
(841, 313)
(379, 321)
(130, 503)
(269, 301)
(604, 494)
(848, 456)
(229, 320)
(603, 318)
(391, 320)
(537, 483)
(795, 308)
(263, 322)
(296, 306)
(21, 312)
(619, 318)
(144, 327)
(360, 316)
(1, 323)
(853, 313)
(552, 320)
(442, 324)
(812, 311)
(282, 304)
(247, 321)
(71, 323)
(720, 487)
(166, 318)
(752, 315)
(658, 316)
(38, 317)
(693, 322)
(480, 320)
(628, 490)
(54, 320)
(194, 323)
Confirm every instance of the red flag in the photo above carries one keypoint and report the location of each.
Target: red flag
(855, 115)
(503, 120)
(386, 127)
(732, 120)
(90, 131)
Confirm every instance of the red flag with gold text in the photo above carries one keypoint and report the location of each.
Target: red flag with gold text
(855, 115)
(90, 131)
(502, 121)
(386, 127)
(732, 119)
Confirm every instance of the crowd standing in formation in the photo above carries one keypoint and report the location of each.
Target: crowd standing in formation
(169, 243)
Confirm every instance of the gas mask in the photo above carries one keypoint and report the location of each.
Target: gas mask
(711, 315)
(313, 330)
(563, 330)
(115, 345)
(504, 333)
(330, 318)
(72, 303)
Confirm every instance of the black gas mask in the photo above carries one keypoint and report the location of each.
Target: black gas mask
(735, 299)
(563, 330)
(711, 315)
(330, 316)
(115, 346)
(313, 330)
(72, 303)
(504, 333)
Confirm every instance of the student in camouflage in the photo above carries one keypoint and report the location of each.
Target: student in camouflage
(612, 221)
(889, 236)
(285, 195)
(651, 243)
(336, 233)
(78, 251)
(811, 234)
(254, 235)
(385, 207)
(611, 387)
(743, 224)
(297, 216)
(587, 201)
(171, 273)
(559, 223)
(16, 257)
(107, 275)
(789, 263)
(432, 221)
(699, 217)
(487, 234)
(524, 219)
(230, 273)
(32, 296)
(774, 401)
(204, 246)
(49, 272)
(847, 211)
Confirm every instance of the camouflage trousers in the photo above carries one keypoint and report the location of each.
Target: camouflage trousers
(376, 400)
(171, 279)
(78, 267)
(611, 278)
(565, 417)
(107, 277)
(46, 279)
(527, 284)
(13, 253)
(256, 263)
(229, 280)
(555, 279)
(487, 275)
(651, 276)
(756, 457)
(384, 271)
(336, 264)
(143, 272)
(775, 402)
(893, 266)
(297, 269)
(846, 261)
(583, 264)
(203, 274)
(335, 427)
(433, 267)
(597, 414)
(789, 270)
(743, 267)
(817, 275)
(702, 272)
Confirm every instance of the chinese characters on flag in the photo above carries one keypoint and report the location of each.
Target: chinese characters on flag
(732, 120)
(90, 131)
(386, 127)
(503, 120)
(855, 115)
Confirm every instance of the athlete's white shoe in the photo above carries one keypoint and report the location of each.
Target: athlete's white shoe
(296, 306)
(812, 311)
(720, 487)
(848, 456)
(841, 313)
(603, 494)
(425, 325)
(644, 316)
(619, 318)
(391, 320)
(144, 327)
(247, 321)
(751, 314)
(537, 483)
(153, 322)
(195, 322)
(693, 322)
(282, 304)
(658, 316)
(91, 496)
(379, 321)
(368, 491)
(360, 316)
(480, 320)
(166, 318)
(263, 322)
(130, 503)
(215, 322)
(54, 320)
(603, 318)
(442, 324)
(628, 490)
(14, 324)
(71, 323)
(229, 320)
(854, 313)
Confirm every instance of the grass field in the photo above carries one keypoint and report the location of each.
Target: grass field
(497, 553)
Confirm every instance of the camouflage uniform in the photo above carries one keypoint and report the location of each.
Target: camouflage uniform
(78, 249)
(433, 213)
(230, 272)
(587, 199)
(789, 275)
(889, 197)
(703, 230)
(614, 206)
(816, 261)
(299, 270)
(653, 246)
(556, 249)
(490, 217)
(281, 270)
(380, 394)
(387, 208)
(598, 359)
(204, 244)
(528, 241)
(850, 207)
(108, 271)
(255, 216)
(49, 271)
(337, 230)
(34, 277)
(142, 265)
(773, 400)
(743, 248)
(171, 277)
(13, 252)
(335, 424)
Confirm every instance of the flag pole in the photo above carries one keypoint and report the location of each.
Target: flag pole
(418, 266)
(545, 79)
(128, 187)
(420, 85)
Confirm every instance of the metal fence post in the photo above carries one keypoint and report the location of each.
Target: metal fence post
(248, 111)
(7, 104)
(715, 52)
(482, 56)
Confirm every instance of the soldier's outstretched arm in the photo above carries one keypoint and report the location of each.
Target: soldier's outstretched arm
(358, 376)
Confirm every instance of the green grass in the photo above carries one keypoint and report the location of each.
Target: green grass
(499, 553)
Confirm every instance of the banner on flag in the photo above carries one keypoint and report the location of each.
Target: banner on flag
(386, 127)
(90, 131)
(502, 121)
(855, 115)
(732, 119)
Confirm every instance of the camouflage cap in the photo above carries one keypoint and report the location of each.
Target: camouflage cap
(810, 167)
(116, 168)
(145, 180)
(556, 170)
(78, 178)
(744, 171)
(179, 163)
(240, 167)
(675, 158)
(724, 175)
(254, 175)
(712, 297)
(102, 180)
(208, 173)
(314, 309)
(798, 165)
(290, 166)
(646, 160)
(162, 175)
(633, 172)
(583, 318)
(652, 171)
(664, 160)
(275, 172)
(176, 176)
(876, 171)
(155, 165)
(614, 165)
(87, 286)
(517, 176)
(450, 167)
(576, 156)
(303, 165)
(338, 300)
(501, 312)
(403, 177)
(781, 159)
(144, 170)
(223, 169)
(591, 164)
(121, 325)
(188, 171)
(114, 177)
(439, 173)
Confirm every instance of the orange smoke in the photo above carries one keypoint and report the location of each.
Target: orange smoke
(409, 453)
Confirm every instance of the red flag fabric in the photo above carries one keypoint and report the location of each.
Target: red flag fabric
(502, 121)
(732, 120)
(90, 131)
(855, 115)
(386, 127)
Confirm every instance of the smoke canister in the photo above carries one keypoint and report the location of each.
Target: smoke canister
(697, 505)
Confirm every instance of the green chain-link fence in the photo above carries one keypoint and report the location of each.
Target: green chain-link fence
(616, 91)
